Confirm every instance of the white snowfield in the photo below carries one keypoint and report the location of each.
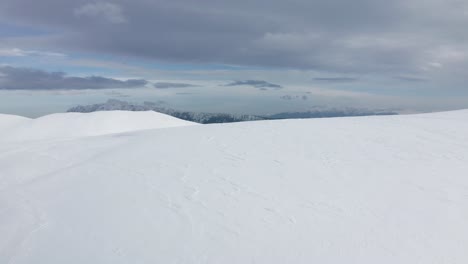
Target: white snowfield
(8, 121)
(386, 189)
(72, 125)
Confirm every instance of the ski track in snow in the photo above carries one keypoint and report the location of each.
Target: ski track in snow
(390, 189)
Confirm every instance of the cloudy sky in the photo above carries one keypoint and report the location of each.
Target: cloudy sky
(234, 55)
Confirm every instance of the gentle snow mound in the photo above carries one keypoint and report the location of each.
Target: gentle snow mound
(8, 121)
(67, 125)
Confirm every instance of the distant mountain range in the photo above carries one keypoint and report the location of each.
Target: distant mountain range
(209, 118)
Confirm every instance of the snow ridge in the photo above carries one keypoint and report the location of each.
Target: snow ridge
(69, 125)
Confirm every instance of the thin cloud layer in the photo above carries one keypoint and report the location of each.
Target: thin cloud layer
(410, 79)
(107, 11)
(256, 83)
(336, 79)
(15, 52)
(288, 97)
(168, 85)
(12, 78)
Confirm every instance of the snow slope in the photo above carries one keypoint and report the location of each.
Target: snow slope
(387, 189)
(68, 125)
(8, 121)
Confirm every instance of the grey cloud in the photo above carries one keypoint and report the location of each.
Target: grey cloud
(168, 85)
(15, 52)
(305, 34)
(410, 79)
(108, 11)
(117, 94)
(335, 36)
(12, 78)
(288, 97)
(185, 93)
(336, 79)
(263, 85)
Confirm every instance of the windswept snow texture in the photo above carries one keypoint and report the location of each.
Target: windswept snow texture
(386, 189)
(72, 125)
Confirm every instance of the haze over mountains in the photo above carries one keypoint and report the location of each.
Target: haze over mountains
(144, 187)
(209, 118)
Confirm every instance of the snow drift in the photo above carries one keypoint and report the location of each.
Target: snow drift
(69, 125)
(390, 189)
(8, 121)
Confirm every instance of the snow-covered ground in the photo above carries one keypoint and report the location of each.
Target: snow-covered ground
(72, 125)
(8, 121)
(386, 189)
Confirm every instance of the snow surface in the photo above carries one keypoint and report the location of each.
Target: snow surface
(8, 121)
(69, 125)
(386, 189)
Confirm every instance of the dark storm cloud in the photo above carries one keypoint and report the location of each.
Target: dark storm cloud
(256, 83)
(336, 79)
(168, 85)
(338, 36)
(30, 79)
